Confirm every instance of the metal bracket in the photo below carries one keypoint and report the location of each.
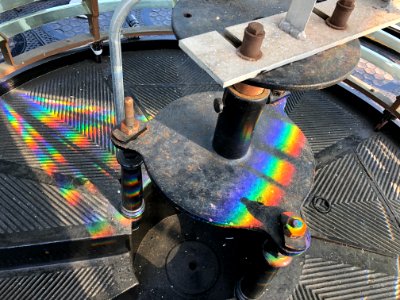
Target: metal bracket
(297, 18)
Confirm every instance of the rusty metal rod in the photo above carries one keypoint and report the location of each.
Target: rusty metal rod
(129, 112)
(253, 38)
(341, 14)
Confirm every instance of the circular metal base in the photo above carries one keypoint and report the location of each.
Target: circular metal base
(193, 17)
(192, 267)
(227, 254)
(275, 175)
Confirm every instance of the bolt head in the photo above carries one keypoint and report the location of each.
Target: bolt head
(218, 105)
(295, 227)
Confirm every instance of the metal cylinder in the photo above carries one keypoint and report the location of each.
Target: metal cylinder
(254, 285)
(236, 123)
(341, 14)
(118, 19)
(132, 205)
(253, 38)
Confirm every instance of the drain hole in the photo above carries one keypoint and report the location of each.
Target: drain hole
(192, 265)
(321, 204)
(187, 15)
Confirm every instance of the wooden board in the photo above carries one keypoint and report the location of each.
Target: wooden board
(218, 56)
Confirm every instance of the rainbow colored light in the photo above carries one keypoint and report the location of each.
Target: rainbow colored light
(272, 167)
(286, 137)
(100, 229)
(52, 161)
(254, 188)
(277, 261)
(266, 176)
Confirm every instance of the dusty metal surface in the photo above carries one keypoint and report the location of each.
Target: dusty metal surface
(192, 17)
(274, 176)
(316, 72)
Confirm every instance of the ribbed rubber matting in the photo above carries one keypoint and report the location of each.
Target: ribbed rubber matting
(313, 112)
(381, 159)
(58, 126)
(358, 214)
(102, 278)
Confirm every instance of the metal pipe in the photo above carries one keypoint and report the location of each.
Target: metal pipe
(118, 19)
(380, 61)
(236, 121)
(385, 39)
(132, 205)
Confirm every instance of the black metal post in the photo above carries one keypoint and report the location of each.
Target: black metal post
(132, 205)
(254, 285)
(236, 122)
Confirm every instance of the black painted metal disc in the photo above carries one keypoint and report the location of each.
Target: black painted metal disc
(275, 175)
(193, 17)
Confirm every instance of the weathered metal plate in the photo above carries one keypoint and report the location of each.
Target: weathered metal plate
(276, 173)
(316, 72)
(193, 17)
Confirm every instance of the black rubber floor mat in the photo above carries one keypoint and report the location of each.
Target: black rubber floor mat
(381, 159)
(323, 122)
(293, 100)
(345, 206)
(35, 213)
(333, 271)
(92, 279)
(33, 135)
(158, 77)
(59, 124)
(79, 96)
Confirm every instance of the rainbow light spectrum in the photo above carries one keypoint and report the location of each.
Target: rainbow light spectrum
(277, 261)
(51, 160)
(266, 176)
(286, 137)
(132, 189)
(64, 108)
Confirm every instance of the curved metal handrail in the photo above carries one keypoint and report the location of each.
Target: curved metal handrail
(90, 8)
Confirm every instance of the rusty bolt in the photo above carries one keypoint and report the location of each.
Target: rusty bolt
(218, 105)
(341, 14)
(295, 227)
(253, 38)
(129, 111)
(129, 126)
